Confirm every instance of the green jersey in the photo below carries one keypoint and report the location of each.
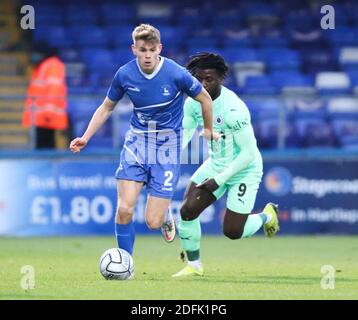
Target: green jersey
(236, 153)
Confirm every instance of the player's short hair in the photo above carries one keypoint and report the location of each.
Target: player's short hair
(206, 60)
(147, 33)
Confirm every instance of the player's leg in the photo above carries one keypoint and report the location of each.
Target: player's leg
(156, 211)
(163, 178)
(195, 202)
(128, 192)
(237, 226)
(131, 175)
(238, 221)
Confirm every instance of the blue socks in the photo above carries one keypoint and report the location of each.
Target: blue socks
(125, 235)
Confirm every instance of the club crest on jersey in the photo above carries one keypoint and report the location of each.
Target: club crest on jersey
(166, 90)
(219, 120)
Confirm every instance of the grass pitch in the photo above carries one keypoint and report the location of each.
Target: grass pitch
(255, 268)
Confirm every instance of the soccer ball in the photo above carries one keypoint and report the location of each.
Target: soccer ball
(116, 264)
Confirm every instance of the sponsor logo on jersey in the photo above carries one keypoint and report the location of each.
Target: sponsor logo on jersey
(135, 89)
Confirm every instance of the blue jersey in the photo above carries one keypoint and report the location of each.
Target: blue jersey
(158, 98)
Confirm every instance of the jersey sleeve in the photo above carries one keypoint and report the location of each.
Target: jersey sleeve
(116, 91)
(237, 118)
(189, 84)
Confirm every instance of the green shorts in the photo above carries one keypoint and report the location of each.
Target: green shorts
(242, 188)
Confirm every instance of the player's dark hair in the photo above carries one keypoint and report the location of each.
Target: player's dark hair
(206, 60)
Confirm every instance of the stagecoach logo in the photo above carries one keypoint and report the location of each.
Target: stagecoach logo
(166, 90)
(278, 181)
(219, 120)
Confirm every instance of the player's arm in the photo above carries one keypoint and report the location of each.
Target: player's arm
(189, 124)
(206, 108)
(246, 141)
(103, 112)
(195, 90)
(100, 116)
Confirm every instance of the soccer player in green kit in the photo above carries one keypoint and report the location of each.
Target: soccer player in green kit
(234, 166)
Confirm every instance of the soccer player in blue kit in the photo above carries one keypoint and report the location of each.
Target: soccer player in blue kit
(151, 153)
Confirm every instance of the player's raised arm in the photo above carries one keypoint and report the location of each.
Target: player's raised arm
(100, 116)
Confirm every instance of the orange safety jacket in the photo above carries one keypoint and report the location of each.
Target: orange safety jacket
(46, 101)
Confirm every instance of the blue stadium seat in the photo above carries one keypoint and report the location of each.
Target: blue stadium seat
(81, 14)
(280, 58)
(267, 133)
(330, 83)
(311, 108)
(117, 13)
(55, 35)
(233, 55)
(314, 133)
(259, 84)
(89, 36)
(235, 36)
(291, 80)
(342, 36)
(99, 60)
(316, 60)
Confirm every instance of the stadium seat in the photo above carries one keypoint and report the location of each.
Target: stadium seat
(271, 48)
(280, 58)
(115, 12)
(307, 108)
(235, 36)
(99, 60)
(89, 36)
(342, 36)
(318, 59)
(333, 83)
(348, 57)
(77, 14)
(55, 35)
(293, 82)
(314, 133)
(259, 84)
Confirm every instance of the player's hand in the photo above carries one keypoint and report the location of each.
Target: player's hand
(208, 184)
(77, 144)
(210, 135)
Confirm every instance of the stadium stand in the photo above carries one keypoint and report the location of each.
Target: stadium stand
(280, 59)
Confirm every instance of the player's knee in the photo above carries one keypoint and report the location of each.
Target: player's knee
(124, 214)
(233, 234)
(154, 223)
(186, 213)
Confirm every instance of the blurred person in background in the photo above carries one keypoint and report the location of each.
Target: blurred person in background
(46, 101)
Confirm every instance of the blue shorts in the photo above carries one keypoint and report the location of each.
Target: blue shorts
(157, 167)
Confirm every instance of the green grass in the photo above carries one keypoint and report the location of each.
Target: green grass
(256, 268)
